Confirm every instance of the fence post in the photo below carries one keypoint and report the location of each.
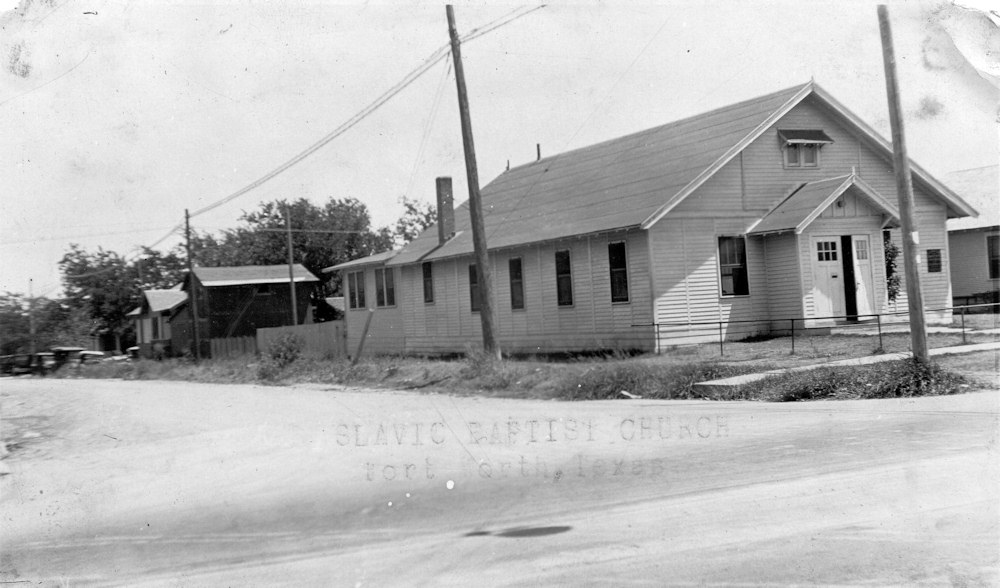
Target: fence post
(793, 337)
(963, 325)
(878, 321)
(722, 349)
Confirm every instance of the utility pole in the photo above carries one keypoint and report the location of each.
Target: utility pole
(291, 269)
(483, 273)
(904, 190)
(193, 307)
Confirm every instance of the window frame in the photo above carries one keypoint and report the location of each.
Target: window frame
(427, 274)
(564, 280)
(516, 285)
(622, 271)
(722, 267)
(993, 256)
(799, 150)
(356, 290)
(385, 287)
(475, 302)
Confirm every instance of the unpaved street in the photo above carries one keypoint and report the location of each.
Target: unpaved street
(179, 484)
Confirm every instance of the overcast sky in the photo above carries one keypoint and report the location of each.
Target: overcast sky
(118, 116)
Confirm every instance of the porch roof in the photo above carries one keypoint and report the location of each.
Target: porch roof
(804, 205)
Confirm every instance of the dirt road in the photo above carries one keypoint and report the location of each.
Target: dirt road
(173, 484)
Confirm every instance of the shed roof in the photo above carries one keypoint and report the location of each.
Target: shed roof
(632, 181)
(802, 207)
(981, 188)
(251, 274)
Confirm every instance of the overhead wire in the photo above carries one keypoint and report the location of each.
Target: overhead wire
(440, 53)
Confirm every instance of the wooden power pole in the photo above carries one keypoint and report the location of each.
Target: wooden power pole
(475, 203)
(291, 267)
(904, 190)
(193, 307)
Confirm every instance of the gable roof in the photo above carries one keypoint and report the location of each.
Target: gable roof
(981, 188)
(632, 181)
(161, 300)
(251, 274)
(803, 206)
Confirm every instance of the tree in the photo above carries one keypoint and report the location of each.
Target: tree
(160, 271)
(322, 236)
(417, 216)
(103, 284)
(14, 324)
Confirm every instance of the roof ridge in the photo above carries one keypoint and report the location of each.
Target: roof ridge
(659, 127)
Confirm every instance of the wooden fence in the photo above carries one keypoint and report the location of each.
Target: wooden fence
(320, 340)
(233, 347)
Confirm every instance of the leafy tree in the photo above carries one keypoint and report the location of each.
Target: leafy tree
(322, 236)
(160, 271)
(417, 216)
(56, 323)
(14, 324)
(104, 284)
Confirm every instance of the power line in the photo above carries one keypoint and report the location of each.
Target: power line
(439, 54)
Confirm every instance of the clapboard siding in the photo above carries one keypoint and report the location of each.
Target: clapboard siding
(386, 332)
(936, 287)
(593, 321)
(784, 280)
(686, 282)
(970, 271)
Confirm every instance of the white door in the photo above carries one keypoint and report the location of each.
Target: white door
(828, 277)
(863, 274)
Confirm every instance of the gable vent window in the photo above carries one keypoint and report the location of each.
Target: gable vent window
(801, 147)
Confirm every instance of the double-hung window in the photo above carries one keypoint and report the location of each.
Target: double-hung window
(356, 289)
(801, 147)
(564, 278)
(993, 255)
(385, 287)
(619, 271)
(733, 279)
(428, 271)
(516, 283)
(473, 288)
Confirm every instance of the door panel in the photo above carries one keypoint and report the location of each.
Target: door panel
(828, 283)
(863, 274)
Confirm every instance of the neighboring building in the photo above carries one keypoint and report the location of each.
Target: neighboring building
(974, 243)
(763, 211)
(152, 321)
(236, 301)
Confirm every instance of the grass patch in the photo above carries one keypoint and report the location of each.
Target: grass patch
(647, 379)
(894, 379)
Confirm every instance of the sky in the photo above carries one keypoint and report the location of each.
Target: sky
(119, 116)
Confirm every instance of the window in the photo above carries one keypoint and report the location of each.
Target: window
(473, 288)
(801, 156)
(934, 261)
(356, 289)
(993, 255)
(385, 288)
(733, 266)
(428, 282)
(516, 283)
(826, 251)
(801, 147)
(861, 249)
(619, 271)
(564, 278)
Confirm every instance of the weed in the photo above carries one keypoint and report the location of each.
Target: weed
(895, 379)
(646, 379)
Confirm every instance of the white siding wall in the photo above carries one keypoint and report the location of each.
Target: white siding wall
(686, 282)
(683, 245)
(784, 279)
(385, 334)
(592, 322)
(970, 271)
